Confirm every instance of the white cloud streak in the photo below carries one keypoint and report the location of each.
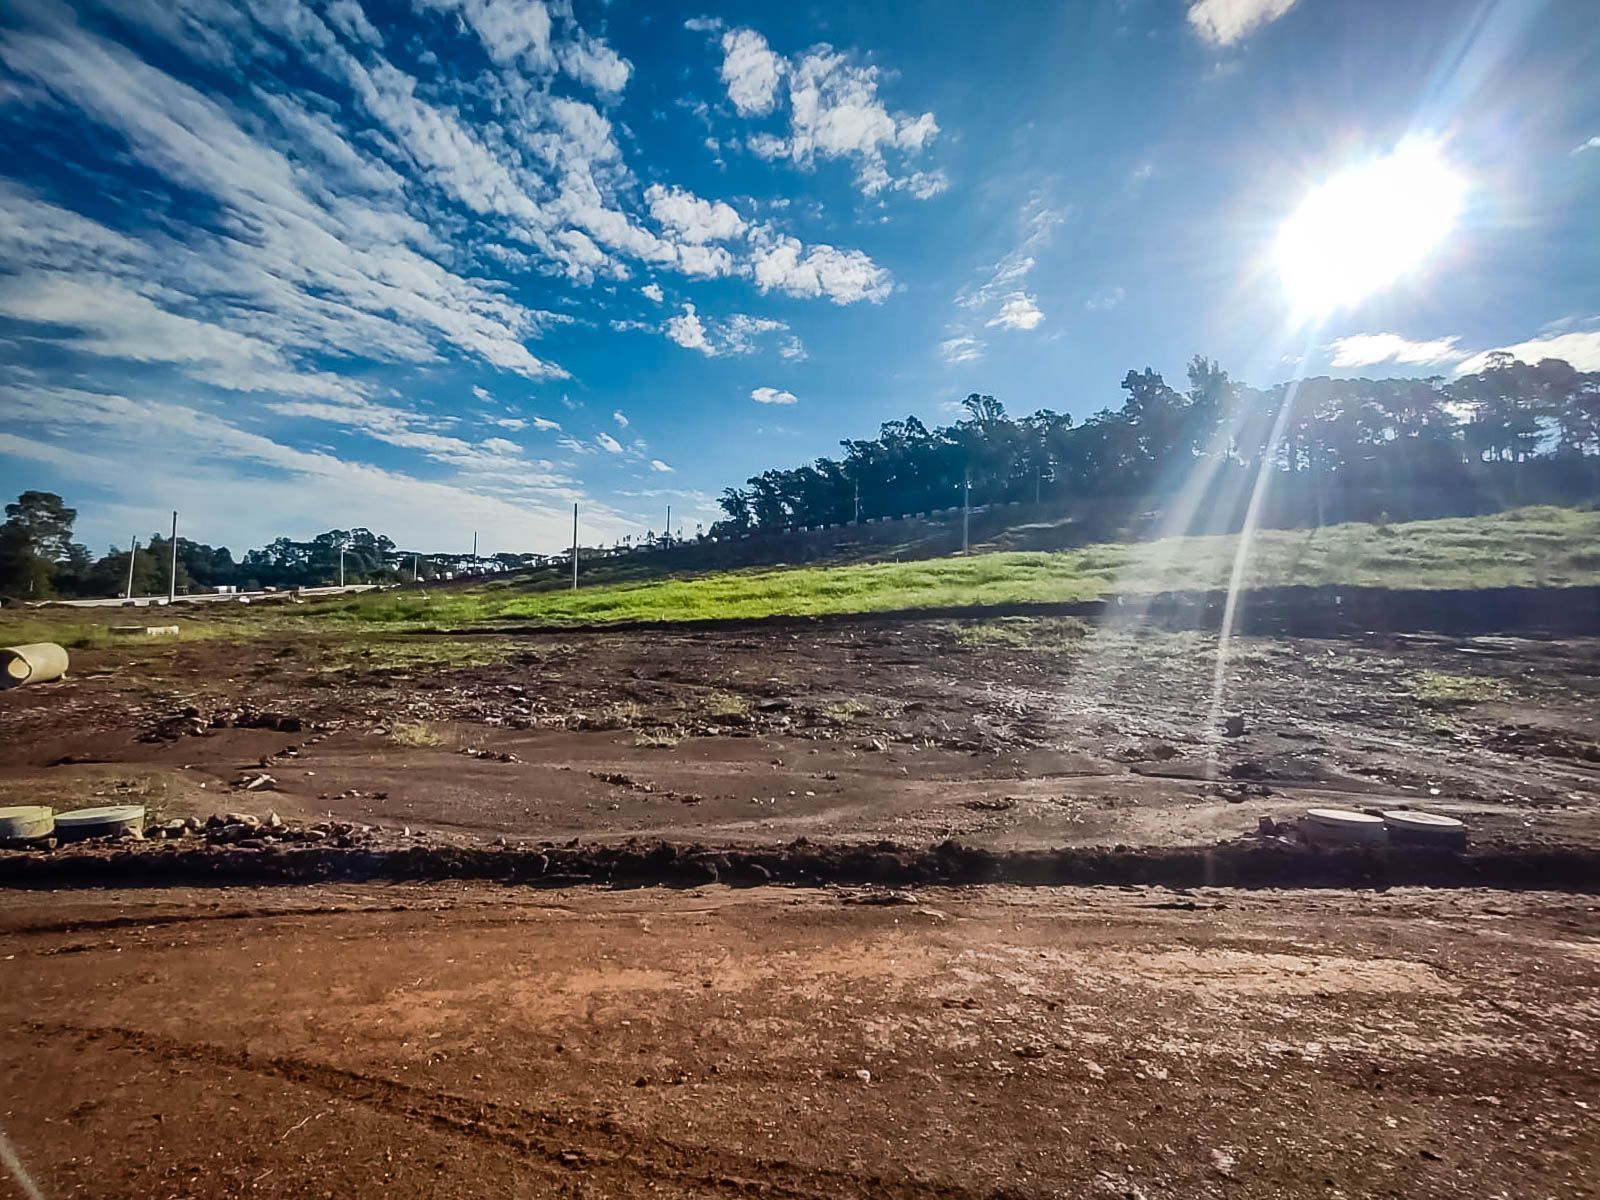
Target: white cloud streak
(1368, 349)
(1017, 311)
(1224, 22)
(1580, 349)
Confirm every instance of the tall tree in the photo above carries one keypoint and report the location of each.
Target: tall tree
(36, 536)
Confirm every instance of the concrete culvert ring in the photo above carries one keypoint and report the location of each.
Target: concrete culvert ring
(1408, 826)
(25, 822)
(100, 822)
(38, 662)
(1343, 825)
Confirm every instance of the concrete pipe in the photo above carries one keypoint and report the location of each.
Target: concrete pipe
(25, 822)
(1409, 825)
(100, 822)
(1342, 825)
(39, 662)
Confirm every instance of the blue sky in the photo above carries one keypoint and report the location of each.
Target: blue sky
(450, 265)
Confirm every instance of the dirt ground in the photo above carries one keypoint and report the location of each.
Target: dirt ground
(461, 1038)
(1011, 733)
(465, 1040)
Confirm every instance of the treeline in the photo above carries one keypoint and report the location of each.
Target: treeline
(1371, 434)
(39, 559)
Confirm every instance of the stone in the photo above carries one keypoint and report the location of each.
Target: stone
(1233, 725)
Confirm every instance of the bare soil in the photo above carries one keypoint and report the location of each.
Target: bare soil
(455, 1040)
(1002, 734)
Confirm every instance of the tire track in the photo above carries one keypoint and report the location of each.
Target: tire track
(564, 1141)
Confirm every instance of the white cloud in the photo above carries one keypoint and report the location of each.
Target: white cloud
(1017, 311)
(512, 31)
(963, 348)
(348, 18)
(689, 331)
(657, 465)
(285, 490)
(782, 264)
(1592, 144)
(608, 443)
(834, 113)
(620, 418)
(1000, 294)
(771, 395)
(793, 349)
(1107, 299)
(1366, 349)
(321, 271)
(365, 224)
(1582, 350)
(739, 334)
(591, 61)
(751, 70)
(692, 219)
(406, 428)
(1224, 22)
(704, 24)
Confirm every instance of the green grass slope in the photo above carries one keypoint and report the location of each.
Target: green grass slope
(1546, 547)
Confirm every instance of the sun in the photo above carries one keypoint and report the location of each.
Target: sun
(1368, 226)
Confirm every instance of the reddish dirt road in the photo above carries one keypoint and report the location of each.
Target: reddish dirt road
(447, 1041)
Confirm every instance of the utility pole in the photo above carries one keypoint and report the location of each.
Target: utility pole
(1038, 483)
(172, 575)
(474, 547)
(966, 514)
(341, 564)
(133, 557)
(415, 577)
(574, 546)
(858, 502)
(669, 524)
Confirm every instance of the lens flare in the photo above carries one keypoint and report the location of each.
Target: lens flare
(1367, 227)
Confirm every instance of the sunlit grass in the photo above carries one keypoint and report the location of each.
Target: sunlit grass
(1549, 547)
(414, 735)
(1541, 547)
(1440, 690)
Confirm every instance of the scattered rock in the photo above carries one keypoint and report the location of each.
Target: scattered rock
(1233, 725)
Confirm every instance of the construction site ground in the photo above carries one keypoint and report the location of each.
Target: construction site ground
(450, 1040)
(461, 1037)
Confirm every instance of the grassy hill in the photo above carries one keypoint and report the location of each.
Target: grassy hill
(1551, 547)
